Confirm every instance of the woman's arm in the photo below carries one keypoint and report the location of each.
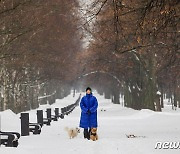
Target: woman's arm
(95, 106)
(83, 108)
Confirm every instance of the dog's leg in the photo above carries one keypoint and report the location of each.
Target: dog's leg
(70, 136)
(97, 137)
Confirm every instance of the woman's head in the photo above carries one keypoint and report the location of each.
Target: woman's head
(88, 90)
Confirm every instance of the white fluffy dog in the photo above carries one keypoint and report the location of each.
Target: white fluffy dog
(72, 132)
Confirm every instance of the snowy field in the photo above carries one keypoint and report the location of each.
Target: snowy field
(115, 122)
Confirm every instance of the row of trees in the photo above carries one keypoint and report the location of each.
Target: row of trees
(134, 50)
(39, 41)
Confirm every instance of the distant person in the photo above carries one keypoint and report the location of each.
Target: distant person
(89, 107)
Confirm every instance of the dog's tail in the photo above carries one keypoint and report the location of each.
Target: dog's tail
(66, 128)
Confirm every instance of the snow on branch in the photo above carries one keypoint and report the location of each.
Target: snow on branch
(46, 96)
(93, 72)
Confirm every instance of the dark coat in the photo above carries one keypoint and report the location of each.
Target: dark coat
(88, 102)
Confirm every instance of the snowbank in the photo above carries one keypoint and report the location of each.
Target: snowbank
(115, 122)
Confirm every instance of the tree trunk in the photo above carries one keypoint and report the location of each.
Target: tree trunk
(151, 82)
(175, 95)
(116, 97)
(5, 92)
(172, 102)
(107, 94)
(112, 99)
(162, 97)
(178, 95)
(127, 96)
(157, 100)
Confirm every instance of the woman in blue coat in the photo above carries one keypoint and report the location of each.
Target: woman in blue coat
(89, 107)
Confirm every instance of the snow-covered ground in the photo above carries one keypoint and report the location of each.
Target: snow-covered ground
(115, 122)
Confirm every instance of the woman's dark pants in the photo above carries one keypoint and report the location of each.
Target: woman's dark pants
(87, 133)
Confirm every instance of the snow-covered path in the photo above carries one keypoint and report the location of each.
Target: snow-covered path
(114, 123)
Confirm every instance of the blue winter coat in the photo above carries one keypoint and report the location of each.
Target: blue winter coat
(88, 102)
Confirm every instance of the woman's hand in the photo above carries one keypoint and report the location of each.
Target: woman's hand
(88, 112)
